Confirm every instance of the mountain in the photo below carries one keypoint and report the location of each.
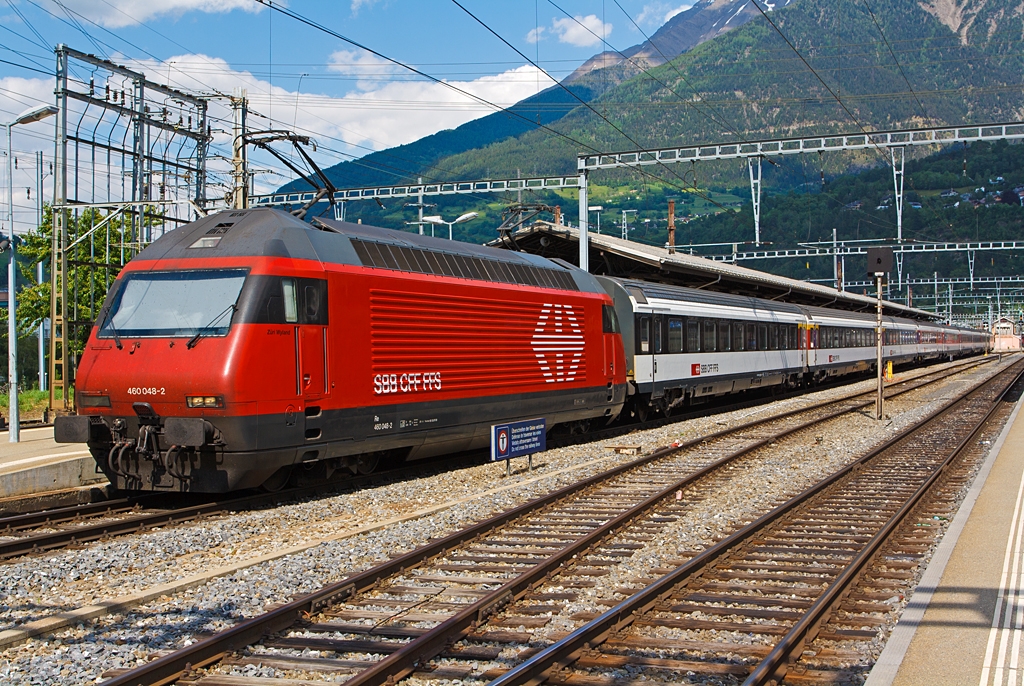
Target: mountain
(749, 84)
(702, 22)
(705, 20)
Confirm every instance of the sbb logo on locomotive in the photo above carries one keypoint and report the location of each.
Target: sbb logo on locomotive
(406, 383)
(558, 343)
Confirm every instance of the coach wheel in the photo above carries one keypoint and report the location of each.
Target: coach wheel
(278, 480)
(580, 427)
(366, 463)
(642, 411)
(666, 407)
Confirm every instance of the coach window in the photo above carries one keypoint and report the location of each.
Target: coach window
(737, 336)
(645, 334)
(751, 343)
(291, 308)
(773, 337)
(724, 344)
(762, 336)
(675, 335)
(709, 336)
(659, 336)
(692, 336)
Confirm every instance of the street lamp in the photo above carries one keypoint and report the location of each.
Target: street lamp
(598, 209)
(33, 115)
(461, 218)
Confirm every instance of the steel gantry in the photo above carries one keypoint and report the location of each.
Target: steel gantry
(127, 145)
(894, 143)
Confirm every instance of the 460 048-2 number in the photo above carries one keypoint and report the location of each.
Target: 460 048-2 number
(143, 390)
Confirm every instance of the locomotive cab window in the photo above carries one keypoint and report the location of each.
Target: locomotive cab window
(609, 320)
(291, 308)
(173, 304)
(283, 300)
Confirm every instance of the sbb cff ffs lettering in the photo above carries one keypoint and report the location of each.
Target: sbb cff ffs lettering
(406, 383)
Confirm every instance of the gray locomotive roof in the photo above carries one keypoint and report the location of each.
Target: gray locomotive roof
(684, 294)
(266, 232)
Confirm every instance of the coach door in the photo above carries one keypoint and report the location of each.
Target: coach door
(661, 363)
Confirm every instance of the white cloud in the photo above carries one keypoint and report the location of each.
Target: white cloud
(535, 34)
(657, 13)
(581, 31)
(369, 70)
(120, 13)
(379, 114)
(359, 4)
(16, 96)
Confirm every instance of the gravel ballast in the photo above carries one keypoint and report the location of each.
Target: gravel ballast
(37, 587)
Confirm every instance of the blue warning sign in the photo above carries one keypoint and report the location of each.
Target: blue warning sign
(516, 439)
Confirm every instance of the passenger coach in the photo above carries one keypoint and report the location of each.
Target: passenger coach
(685, 345)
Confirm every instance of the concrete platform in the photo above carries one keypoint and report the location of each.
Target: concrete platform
(38, 464)
(963, 625)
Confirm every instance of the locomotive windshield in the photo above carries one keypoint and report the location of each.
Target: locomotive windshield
(182, 303)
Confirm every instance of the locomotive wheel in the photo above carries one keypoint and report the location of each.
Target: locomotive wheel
(278, 480)
(367, 463)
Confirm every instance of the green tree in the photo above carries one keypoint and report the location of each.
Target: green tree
(96, 243)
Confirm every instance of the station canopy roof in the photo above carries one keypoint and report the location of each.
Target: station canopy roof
(613, 256)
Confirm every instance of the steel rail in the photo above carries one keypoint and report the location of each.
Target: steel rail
(564, 652)
(147, 520)
(169, 515)
(774, 665)
(169, 667)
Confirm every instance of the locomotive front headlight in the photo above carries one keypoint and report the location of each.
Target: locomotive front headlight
(92, 400)
(204, 400)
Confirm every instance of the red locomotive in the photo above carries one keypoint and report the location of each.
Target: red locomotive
(248, 346)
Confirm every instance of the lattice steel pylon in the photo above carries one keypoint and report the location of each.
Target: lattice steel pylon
(113, 124)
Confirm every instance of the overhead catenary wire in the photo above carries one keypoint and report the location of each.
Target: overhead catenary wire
(587, 105)
(881, 33)
(316, 25)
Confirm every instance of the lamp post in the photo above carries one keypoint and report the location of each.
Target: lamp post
(458, 220)
(598, 209)
(33, 115)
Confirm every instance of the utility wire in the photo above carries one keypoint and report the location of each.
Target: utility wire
(320, 27)
(867, 5)
(498, 108)
(639, 66)
(588, 106)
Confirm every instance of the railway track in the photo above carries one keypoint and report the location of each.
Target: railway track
(56, 528)
(780, 600)
(73, 525)
(408, 615)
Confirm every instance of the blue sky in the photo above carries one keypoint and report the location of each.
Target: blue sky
(296, 76)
